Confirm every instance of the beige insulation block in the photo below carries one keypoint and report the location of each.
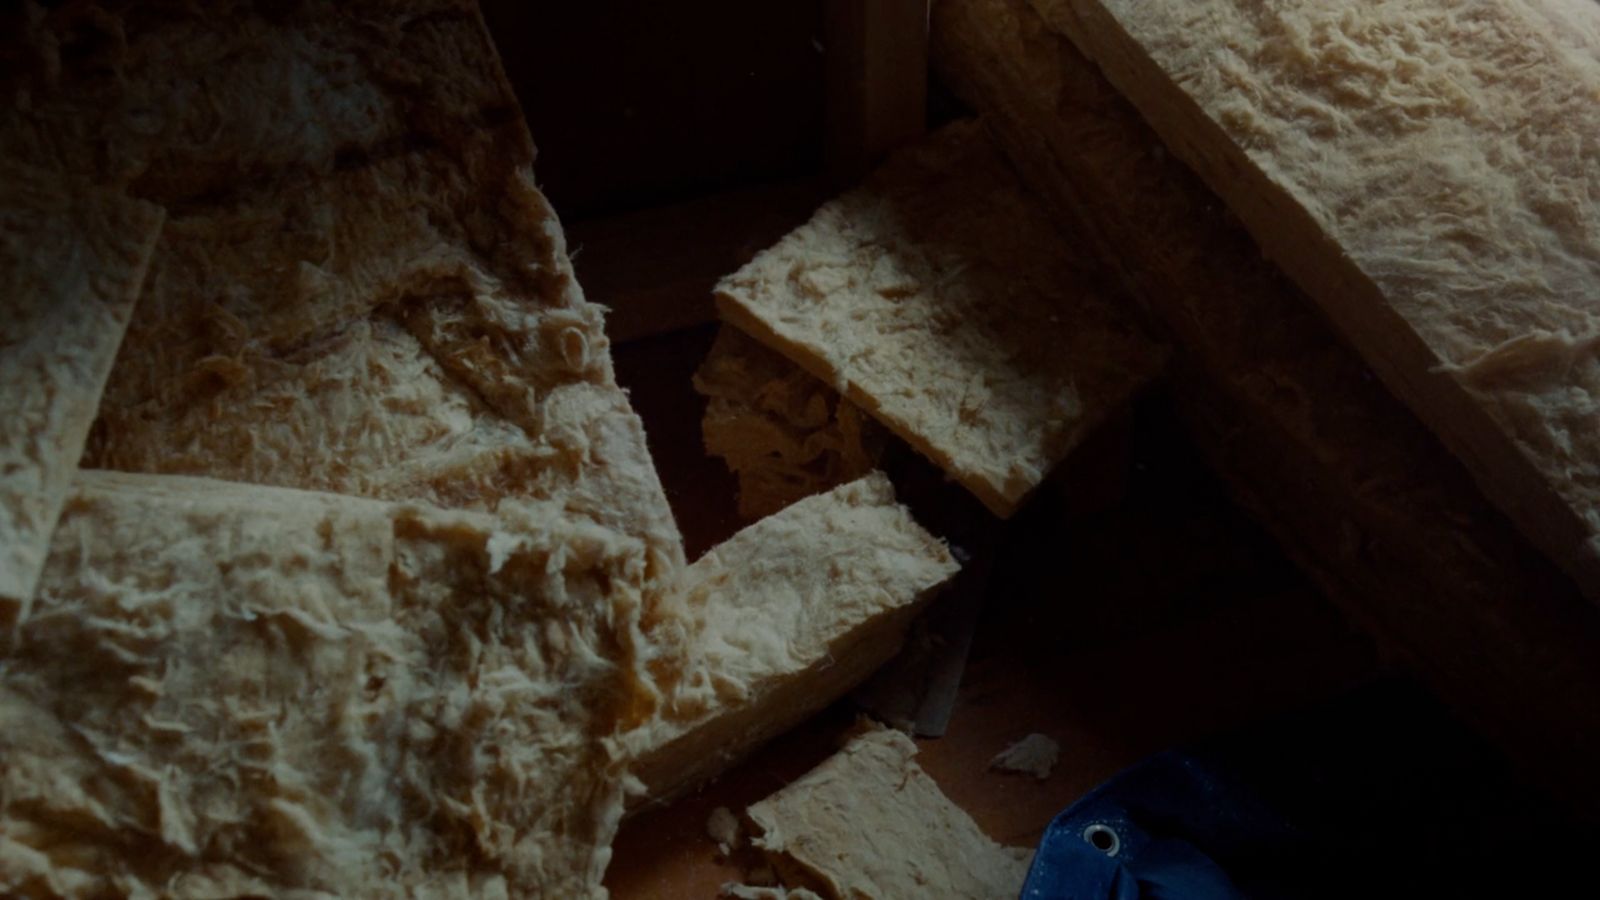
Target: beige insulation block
(783, 433)
(1359, 491)
(416, 335)
(361, 290)
(940, 298)
(224, 689)
(869, 824)
(72, 261)
(1426, 172)
(783, 618)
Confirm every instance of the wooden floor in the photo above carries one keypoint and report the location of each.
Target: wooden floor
(1120, 630)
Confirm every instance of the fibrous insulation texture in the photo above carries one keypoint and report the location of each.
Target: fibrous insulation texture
(224, 689)
(781, 619)
(72, 261)
(939, 297)
(869, 823)
(782, 432)
(360, 289)
(1426, 170)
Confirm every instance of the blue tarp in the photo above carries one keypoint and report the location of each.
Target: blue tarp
(1378, 794)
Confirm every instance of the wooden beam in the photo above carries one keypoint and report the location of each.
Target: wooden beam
(877, 80)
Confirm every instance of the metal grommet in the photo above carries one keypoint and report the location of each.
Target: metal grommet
(1103, 838)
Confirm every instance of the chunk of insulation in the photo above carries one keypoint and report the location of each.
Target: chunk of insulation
(940, 298)
(361, 289)
(72, 262)
(780, 620)
(224, 689)
(783, 433)
(870, 824)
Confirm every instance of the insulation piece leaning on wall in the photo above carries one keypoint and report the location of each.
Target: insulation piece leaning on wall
(1364, 496)
(783, 618)
(360, 290)
(225, 689)
(783, 433)
(939, 297)
(869, 824)
(1426, 172)
(405, 330)
(72, 261)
